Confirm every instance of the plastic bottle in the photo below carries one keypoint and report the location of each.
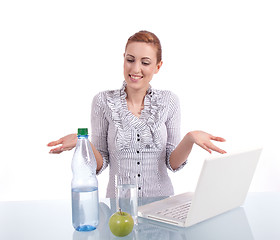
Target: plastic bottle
(85, 203)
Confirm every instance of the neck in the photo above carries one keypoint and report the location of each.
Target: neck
(135, 97)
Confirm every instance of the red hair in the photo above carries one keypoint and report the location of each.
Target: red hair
(147, 37)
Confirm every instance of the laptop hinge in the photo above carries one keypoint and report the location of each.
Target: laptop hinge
(162, 220)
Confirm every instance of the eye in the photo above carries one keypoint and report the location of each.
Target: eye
(130, 60)
(146, 63)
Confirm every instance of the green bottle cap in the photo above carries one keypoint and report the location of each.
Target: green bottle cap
(82, 131)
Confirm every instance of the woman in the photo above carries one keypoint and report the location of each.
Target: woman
(136, 130)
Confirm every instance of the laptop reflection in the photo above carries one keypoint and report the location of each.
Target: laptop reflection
(230, 225)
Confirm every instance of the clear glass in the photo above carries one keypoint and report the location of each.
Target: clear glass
(126, 195)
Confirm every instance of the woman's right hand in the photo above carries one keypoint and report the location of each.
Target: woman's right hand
(66, 143)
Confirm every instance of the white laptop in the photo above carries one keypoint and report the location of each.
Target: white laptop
(223, 185)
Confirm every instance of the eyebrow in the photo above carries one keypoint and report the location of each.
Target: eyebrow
(146, 58)
(130, 55)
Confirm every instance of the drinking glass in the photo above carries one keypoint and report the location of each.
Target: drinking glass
(126, 195)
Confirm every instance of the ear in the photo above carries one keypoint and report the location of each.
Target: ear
(158, 67)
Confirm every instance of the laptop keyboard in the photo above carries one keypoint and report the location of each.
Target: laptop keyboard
(178, 212)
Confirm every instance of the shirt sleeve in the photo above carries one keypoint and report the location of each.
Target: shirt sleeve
(99, 128)
(173, 124)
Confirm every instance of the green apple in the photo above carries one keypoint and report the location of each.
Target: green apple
(121, 223)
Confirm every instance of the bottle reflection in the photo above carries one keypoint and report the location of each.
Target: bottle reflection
(92, 235)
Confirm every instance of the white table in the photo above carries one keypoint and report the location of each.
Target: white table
(258, 219)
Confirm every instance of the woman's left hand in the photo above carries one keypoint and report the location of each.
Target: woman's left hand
(203, 140)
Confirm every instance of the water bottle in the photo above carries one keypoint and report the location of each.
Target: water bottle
(85, 209)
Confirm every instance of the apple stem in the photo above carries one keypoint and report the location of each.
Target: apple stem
(120, 211)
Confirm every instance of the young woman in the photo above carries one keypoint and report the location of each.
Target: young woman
(136, 129)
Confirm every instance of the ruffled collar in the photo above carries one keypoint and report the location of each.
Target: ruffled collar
(124, 94)
(149, 119)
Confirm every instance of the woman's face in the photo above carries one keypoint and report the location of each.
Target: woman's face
(140, 64)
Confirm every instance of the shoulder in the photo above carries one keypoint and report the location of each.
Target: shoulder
(169, 102)
(166, 96)
(102, 97)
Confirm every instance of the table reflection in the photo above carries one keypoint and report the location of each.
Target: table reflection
(230, 225)
(51, 219)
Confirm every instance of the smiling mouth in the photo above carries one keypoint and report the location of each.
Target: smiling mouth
(135, 78)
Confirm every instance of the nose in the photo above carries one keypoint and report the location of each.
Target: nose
(136, 68)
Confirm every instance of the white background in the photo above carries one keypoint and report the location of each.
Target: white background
(220, 57)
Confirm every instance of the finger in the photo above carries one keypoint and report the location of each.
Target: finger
(67, 147)
(54, 143)
(205, 148)
(215, 148)
(219, 139)
(56, 150)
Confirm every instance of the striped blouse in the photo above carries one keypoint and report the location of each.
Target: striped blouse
(140, 147)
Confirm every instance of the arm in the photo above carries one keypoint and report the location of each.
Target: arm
(68, 142)
(202, 139)
(181, 153)
(173, 136)
(177, 154)
(98, 157)
(99, 139)
(99, 128)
